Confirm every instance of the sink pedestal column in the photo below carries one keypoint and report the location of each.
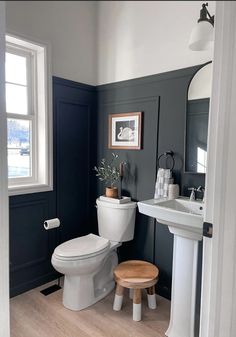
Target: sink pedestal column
(184, 219)
(184, 276)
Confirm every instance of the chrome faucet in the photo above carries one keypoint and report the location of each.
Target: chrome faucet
(201, 189)
(192, 195)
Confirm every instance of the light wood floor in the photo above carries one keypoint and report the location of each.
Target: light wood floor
(36, 315)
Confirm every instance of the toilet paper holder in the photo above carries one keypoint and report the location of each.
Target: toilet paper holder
(48, 225)
(51, 223)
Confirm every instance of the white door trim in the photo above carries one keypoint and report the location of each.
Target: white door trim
(218, 303)
(4, 228)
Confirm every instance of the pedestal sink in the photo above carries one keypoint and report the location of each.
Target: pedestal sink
(184, 219)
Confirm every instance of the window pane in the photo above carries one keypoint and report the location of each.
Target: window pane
(16, 69)
(16, 99)
(18, 144)
(201, 160)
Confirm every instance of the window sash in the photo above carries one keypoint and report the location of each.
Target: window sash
(30, 74)
(33, 151)
(31, 113)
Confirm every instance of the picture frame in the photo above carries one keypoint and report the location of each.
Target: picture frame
(125, 131)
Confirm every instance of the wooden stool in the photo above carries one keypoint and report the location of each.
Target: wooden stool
(135, 275)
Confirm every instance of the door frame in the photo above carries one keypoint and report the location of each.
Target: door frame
(4, 205)
(218, 300)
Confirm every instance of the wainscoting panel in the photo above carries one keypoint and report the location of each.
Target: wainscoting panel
(162, 98)
(38, 245)
(31, 246)
(74, 115)
(138, 173)
(72, 125)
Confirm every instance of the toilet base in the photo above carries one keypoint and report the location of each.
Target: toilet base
(80, 292)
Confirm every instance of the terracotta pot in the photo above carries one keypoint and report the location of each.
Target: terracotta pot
(112, 192)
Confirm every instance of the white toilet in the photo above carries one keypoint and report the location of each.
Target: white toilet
(88, 261)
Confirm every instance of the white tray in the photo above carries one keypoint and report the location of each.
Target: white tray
(114, 200)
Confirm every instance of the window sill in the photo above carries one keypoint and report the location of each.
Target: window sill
(27, 189)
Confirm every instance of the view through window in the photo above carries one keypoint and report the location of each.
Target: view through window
(20, 111)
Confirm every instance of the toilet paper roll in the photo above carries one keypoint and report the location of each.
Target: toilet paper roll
(173, 191)
(52, 223)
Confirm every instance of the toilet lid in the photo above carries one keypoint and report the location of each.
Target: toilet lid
(84, 245)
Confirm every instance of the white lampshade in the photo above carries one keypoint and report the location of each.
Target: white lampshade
(202, 36)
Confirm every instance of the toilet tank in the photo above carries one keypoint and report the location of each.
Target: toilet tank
(116, 221)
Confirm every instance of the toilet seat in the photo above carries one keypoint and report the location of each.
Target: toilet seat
(81, 248)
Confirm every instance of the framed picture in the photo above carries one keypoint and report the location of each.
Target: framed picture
(125, 131)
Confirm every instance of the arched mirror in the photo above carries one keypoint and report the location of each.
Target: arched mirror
(197, 120)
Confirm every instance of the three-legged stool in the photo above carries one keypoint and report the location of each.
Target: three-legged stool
(135, 275)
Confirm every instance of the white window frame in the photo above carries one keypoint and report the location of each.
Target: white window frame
(40, 115)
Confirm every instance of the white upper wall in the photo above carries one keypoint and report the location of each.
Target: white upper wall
(70, 28)
(97, 42)
(139, 38)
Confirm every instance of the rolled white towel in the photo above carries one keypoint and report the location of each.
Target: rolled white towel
(167, 173)
(164, 178)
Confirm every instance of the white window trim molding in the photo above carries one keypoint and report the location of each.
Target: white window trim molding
(44, 120)
(4, 206)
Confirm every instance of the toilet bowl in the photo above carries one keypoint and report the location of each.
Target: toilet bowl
(88, 261)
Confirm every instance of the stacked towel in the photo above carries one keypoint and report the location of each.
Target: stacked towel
(164, 178)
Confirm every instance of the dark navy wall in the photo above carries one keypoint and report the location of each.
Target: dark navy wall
(31, 247)
(74, 153)
(80, 141)
(162, 99)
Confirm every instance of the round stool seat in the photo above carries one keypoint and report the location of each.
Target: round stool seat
(136, 274)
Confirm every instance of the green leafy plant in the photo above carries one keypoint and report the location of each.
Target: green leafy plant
(108, 171)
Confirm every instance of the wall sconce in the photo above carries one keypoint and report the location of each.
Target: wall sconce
(202, 34)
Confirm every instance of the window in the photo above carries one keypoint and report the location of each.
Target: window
(201, 160)
(28, 108)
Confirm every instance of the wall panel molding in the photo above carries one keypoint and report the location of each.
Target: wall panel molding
(73, 84)
(74, 117)
(151, 79)
(43, 206)
(132, 100)
(17, 204)
(59, 123)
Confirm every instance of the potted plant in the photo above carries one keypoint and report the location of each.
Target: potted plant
(109, 172)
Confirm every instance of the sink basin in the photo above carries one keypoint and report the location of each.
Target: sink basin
(182, 205)
(180, 213)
